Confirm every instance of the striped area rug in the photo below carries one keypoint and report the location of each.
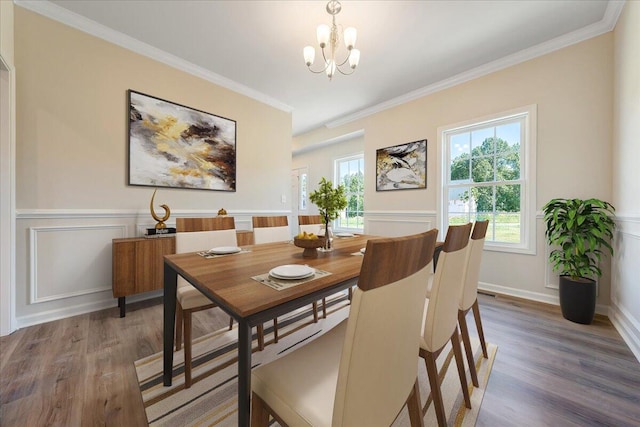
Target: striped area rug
(212, 398)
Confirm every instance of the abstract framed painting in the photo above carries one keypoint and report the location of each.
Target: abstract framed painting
(402, 167)
(171, 145)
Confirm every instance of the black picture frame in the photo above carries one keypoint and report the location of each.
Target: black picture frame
(175, 146)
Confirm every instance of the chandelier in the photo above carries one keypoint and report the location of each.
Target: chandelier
(329, 37)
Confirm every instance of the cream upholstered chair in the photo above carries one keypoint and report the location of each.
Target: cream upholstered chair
(441, 314)
(311, 224)
(267, 229)
(351, 376)
(196, 234)
(315, 224)
(469, 297)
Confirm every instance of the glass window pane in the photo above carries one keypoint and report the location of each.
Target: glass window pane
(508, 166)
(482, 141)
(482, 169)
(507, 227)
(508, 136)
(458, 205)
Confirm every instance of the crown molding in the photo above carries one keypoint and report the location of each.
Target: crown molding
(606, 24)
(93, 28)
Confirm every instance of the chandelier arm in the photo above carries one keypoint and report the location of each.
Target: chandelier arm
(346, 74)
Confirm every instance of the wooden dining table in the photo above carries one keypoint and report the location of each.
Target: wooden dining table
(227, 281)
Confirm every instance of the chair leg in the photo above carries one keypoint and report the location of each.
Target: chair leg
(275, 330)
(413, 405)
(187, 348)
(260, 331)
(434, 383)
(350, 293)
(476, 315)
(259, 412)
(178, 326)
(315, 312)
(230, 323)
(457, 351)
(324, 308)
(464, 331)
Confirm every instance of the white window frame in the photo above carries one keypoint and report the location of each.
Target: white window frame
(337, 181)
(527, 175)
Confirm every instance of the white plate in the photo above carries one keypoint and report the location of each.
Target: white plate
(292, 271)
(363, 250)
(224, 250)
(344, 235)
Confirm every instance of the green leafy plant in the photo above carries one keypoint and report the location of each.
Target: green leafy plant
(581, 229)
(329, 200)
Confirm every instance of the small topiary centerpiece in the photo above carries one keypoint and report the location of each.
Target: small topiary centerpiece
(330, 202)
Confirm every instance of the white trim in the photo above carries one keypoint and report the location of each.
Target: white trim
(60, 14)
(23, 214)
(322, 144)
(33, 263)
(8, 322)
(527, 174)
(401, 213)
(608, 23)
(627, 327)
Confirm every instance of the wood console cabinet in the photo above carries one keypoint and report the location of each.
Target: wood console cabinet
(138, 266)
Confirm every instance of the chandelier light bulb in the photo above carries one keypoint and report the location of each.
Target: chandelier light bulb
(309, 55)
(323, 33)
(354, 58)
(350, 35)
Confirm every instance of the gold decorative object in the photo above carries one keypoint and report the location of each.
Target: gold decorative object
(167, 212)
(222, 212)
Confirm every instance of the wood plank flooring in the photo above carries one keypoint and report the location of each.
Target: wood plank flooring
(548, 371)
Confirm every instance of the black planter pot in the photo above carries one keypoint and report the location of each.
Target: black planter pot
(578, 299)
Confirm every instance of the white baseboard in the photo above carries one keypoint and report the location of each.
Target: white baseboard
(63, 313)
(627, 327)
(533, 296)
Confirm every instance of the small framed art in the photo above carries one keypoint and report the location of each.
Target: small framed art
(402, 167)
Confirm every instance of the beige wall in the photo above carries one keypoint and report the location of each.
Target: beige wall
(625, 293)
(572, 90)
(6, 31)
(71, 162)
(72, 117)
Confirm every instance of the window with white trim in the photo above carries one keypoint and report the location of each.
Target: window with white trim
(349, 171)
(488, 172)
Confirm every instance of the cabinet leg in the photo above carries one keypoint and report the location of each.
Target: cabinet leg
(121, 304)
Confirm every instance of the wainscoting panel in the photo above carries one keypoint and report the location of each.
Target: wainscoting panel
(398, 223)
(625, 291)
(68, 261)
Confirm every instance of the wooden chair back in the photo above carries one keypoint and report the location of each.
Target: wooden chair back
(205, 224)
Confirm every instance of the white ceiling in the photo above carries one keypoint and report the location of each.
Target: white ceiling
(408, 48)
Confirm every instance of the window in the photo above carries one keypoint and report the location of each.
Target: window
(350, 173)
(489, 173)
(302, 191)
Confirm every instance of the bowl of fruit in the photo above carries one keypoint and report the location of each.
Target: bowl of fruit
(310, 242)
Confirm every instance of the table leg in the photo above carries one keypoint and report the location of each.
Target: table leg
(122, 305)
(244, 373)
(170, 286)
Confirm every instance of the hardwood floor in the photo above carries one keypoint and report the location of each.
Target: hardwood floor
(548, 371)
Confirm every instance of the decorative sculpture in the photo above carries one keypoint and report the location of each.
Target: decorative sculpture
(167, 212)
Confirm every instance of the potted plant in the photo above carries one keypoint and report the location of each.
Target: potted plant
(330, 202)
(582, 231)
